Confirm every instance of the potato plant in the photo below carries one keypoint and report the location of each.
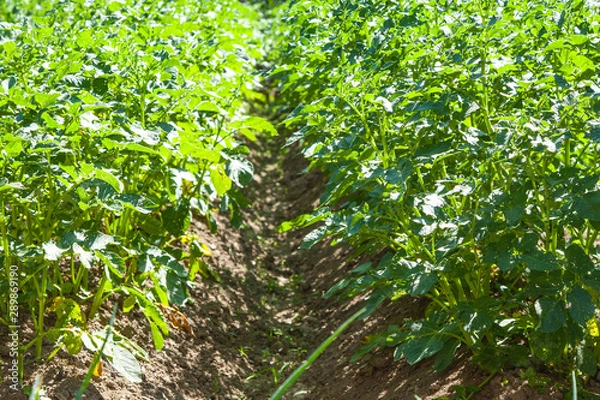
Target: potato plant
(119, 120)
(461, 140)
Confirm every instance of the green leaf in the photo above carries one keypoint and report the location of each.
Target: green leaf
(445, 356)
(257, 124)
(109, 178)
(51, 251)
(507, 261)
(208, 106)
(126, 363)
(144, 263)
(91, 342)
(296, 136)
(113, 261)
(539, 261)
(153, 314)
(577, 39)
(136, 202)
(177, 218)
(169, 262)
(548, 347)
(588, 206)
(13, 145)
(138, 148)
(579, 259)
(417, 349)
(199, 153)
(67, 311)
(430, 203)
(150, 224)
(551, 313)
(518, 355)
(104, 191)
(421, 281)
(513, 215)
(586, 360)
(72, 342)
(363, 268)
(157, 336)
(400, 174)
(313, 237)
(477, 317)
(175, 289)
(340, 285)
(84, 38)
(489, 357)
(581, 305)
(147, 136)
(220, 180)
(374, 300)
(240, 171)
(85, 257)
(12, 186)
(9, 48)
(582, 62)
(304, 220)
(98, 241)
(46, 99)
(129, 303)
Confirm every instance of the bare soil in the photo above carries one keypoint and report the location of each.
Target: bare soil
(265, 317)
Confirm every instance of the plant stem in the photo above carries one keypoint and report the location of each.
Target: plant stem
(41, 311)
(98, 297)
(300, 370)
(97, 356)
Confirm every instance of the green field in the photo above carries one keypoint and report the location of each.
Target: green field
(459, 142)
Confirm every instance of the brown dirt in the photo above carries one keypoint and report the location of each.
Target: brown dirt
(266, 316)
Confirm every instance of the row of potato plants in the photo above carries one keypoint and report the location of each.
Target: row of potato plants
(461, 141)
(119, 121)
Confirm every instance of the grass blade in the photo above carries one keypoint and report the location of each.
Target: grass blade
(300, 370)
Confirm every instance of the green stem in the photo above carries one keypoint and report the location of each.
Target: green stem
(574, 384)
(567, 159)
(548, 206)
(97, 356)
(41, 311)
(482, 384)
(436, 300)
(79, 277)
(592, 236)
(98, 297)
(35, 389)
(367, 130)
(460, 290)
(596, 159)
(142, 89)
(532, 177)
(447, 291)
(300, 370)
(125, 223)
(483, 62)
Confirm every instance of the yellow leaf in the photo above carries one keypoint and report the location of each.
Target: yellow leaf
(98, 368)
(592, 326)
(206, 250)
(56, 303)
